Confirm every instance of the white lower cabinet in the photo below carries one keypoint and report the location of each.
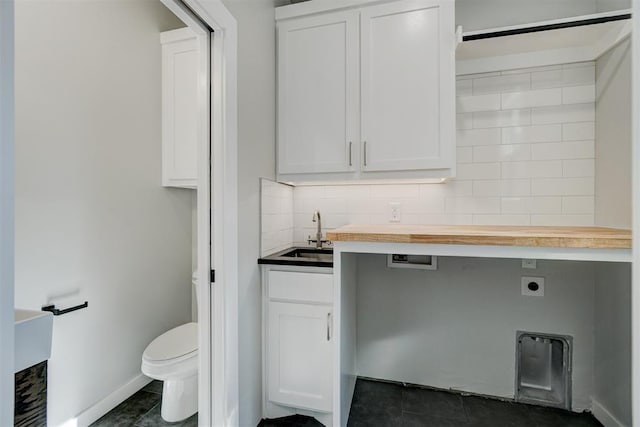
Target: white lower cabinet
(298, 342)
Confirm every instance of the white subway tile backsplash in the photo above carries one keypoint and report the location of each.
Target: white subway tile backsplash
(563, 219)
(532, 169)
(578, 131)
(578, 168)
(464, 87)
(473, 205)
(531, 205)
(501, 153)
(502, 83)
(478, 171)
(579, 94)
(497, 119)
(532, 69)
(563, 187)
(399, 191)
(504, 187)
(276, 219)
(578, 205)
(531, 134)
(464, 121)
(455, 188)
(563, 114)
(533, 98)
(563, 150)
(501, 219)
(470, 104)
(578, 75)
(478, 137)
(464, 154)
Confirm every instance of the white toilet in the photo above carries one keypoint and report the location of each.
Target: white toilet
(173, 359)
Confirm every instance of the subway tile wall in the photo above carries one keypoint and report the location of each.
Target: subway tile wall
(276, 218)
(525, 156)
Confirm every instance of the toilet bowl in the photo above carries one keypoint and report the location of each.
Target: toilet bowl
(173, 359)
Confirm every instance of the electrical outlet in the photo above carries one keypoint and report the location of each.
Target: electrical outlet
(532, 286)
(394, 215)
(529, 263)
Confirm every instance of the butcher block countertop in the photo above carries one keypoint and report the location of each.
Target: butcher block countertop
(535, 236)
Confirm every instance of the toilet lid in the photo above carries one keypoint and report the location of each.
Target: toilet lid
(175, 343)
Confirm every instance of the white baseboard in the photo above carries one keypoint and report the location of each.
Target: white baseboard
(96, 411)
(604, 416)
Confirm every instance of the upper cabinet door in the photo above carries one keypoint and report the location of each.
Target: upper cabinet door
(408, 85)
(179, 108)
(318, 94)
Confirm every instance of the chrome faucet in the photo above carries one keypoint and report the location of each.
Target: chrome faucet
(318, 240)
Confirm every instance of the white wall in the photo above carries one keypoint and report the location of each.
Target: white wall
(612, 359)
(256, 158)
(7, 164)
(613, 138)
(607, 5)
(525, 156)
(481, 14)
(92, 218)
(456, 327)
(612, 368)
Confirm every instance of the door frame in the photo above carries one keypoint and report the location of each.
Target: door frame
(216, 209)
(7, 229)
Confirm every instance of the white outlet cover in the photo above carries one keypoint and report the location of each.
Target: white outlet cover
(524, 283)
(394, 212)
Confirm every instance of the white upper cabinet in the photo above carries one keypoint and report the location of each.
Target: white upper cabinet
(408, 86)
(317, 83)
(367, 93)
(179, 108)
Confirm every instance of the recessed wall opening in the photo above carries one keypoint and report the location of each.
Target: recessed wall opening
(543, 369)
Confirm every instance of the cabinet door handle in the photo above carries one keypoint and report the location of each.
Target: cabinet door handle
(365, 153)
(350, 150)
(328, 326)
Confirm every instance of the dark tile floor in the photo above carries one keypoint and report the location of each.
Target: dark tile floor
(142, 410)
(392, 405)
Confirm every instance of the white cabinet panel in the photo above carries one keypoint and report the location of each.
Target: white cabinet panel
(299, 363)
(297, 286)
(179, 108)
(317, 94)
(407, 83)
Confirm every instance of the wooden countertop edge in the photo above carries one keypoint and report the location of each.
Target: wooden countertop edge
(499, 239)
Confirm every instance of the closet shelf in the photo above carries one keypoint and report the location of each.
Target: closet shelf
(560, 41)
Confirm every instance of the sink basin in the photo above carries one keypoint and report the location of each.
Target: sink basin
(314, 254)
(33, 331)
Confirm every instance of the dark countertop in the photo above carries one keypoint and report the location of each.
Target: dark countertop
(306, 257)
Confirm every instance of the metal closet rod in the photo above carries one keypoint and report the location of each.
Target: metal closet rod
(547, 27)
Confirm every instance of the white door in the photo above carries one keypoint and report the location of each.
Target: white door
(408, 85)
(299, 361)
(318, 94)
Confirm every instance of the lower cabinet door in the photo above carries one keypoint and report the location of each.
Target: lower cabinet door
(300, 359)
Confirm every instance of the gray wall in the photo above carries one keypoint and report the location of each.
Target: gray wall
(613, 138)
(607, 5)
(612, 359)
(256, 158)
(6, 211)
(481, 14)
(456, 327)
(92, 218)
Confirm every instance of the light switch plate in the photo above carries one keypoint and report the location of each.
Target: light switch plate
(394, 212)
(529, 263)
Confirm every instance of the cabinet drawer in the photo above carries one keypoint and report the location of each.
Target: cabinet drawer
(297, 286)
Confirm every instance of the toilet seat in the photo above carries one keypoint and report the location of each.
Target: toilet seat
(173, 354)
